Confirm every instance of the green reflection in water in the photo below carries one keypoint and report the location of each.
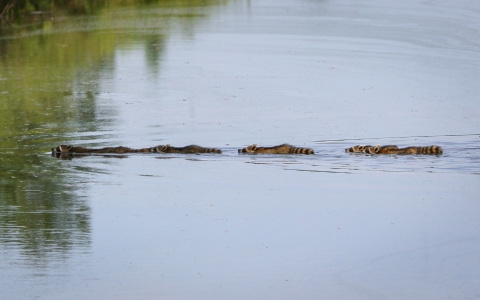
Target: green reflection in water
(49, 85)
(22, 11)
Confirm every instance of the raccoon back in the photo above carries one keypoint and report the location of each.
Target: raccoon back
(361, 149)
(73, 149)
(389, 149)
(280, 149)
(191, 149)
(435, 150)
(393, 149)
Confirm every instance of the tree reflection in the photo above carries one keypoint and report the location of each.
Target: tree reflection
(49, 84)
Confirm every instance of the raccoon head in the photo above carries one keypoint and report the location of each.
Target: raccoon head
(161, 148)
(62, 148)
(249, 149)
(372, 149)
(357, 148)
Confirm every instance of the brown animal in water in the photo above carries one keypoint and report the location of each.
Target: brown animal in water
(372, 149)
(106, 150)
(186, 150)
(435, 150)
(357, 148)
(392, 149)
(280, 149)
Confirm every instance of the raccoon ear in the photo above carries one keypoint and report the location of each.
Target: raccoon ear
(376, 149)
(167, 146)
(254, 147)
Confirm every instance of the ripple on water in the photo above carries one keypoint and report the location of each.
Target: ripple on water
(461, 155)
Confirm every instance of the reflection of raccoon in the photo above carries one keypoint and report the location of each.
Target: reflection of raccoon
(392, 149)
(62, 155)
(116, 150)
(280, 149)
(187, 149)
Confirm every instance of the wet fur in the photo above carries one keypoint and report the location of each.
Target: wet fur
(392, 149)
(186, 150)
(435, 150)
(280, 149)
(372, 149)
(106, 150)
(70, 156)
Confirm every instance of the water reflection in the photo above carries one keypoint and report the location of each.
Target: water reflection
(49, 91)
(40, 211)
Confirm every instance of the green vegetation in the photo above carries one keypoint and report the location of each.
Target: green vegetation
(49, 85)
(20, 11)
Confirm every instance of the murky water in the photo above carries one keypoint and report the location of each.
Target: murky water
(320, 74)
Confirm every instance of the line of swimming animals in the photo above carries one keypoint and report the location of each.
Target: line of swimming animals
(253, 149)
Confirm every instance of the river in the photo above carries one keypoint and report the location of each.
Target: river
(320, 74)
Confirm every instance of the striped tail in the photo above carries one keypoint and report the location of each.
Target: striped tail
(302, 151)
(431, 150)
(211, 150)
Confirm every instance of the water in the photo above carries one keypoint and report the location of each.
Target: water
(319, 74)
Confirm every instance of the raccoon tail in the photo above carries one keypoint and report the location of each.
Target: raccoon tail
(431, 150)
(303, 151)
(212, 150)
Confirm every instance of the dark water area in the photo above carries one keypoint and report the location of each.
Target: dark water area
(227, 74)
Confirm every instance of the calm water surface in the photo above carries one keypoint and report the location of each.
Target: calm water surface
(227, 74)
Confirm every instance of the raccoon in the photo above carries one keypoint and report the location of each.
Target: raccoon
(379, 149)
(383, 149)
(280, 149)
(62, 149)
(357, 148)
(187, 149)
(369, 149)
(393, 149)
(73, 149)
(435, 150)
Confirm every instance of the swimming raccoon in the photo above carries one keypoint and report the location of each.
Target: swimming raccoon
(187, 149)
(371, 149)
(435, 150)
(392, 149)
(280, 149)
(357, 148)
(117, 150)
(382, 149)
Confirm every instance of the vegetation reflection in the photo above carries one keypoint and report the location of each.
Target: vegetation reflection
(49, 84)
